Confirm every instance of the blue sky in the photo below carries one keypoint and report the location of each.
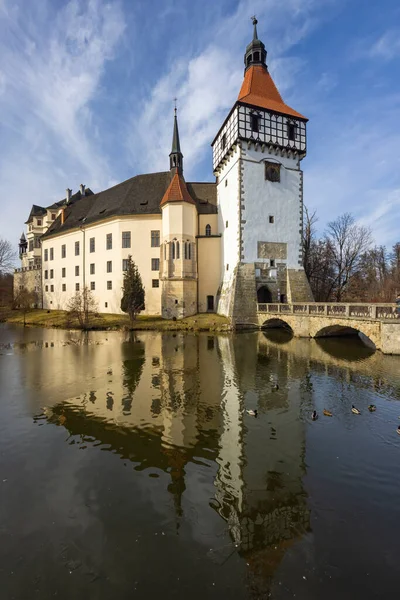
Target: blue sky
(87, 88)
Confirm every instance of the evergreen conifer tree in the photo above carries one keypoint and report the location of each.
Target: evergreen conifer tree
(132, 301)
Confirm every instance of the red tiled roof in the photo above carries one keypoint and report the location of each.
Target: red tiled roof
(177, 191)
(259, 89)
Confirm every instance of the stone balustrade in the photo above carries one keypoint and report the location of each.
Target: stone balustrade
(353, 310)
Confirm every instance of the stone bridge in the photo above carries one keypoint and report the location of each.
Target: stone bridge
(379, 323)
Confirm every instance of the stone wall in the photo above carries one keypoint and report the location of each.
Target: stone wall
(179, 298)
(31, 279)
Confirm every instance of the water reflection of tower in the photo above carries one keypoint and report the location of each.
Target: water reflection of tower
(270, 502)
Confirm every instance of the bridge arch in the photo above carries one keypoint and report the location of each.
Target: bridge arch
(276, 323)
(342, 330)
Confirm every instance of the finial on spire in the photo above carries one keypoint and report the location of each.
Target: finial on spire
(255, 51)
(176, 156)
(255, 34)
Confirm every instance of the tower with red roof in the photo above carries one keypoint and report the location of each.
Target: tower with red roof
(257, 156)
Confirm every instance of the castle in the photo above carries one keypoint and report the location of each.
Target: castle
(199, 247)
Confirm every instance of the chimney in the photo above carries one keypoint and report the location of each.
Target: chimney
(63, 215)
(68, 195)
(82, 188)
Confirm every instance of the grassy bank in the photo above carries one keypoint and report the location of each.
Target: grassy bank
(61, 320)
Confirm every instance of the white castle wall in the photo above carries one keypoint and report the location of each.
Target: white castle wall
(141, 251)
(228, 194)
(262, 199)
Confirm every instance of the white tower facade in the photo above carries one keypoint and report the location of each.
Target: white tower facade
(256, 158)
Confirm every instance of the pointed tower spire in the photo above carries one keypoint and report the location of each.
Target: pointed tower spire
(255, 52)
(176, 156)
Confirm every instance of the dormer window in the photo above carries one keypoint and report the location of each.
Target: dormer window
(53, 216)
(255, 122)
(291, 132)
(39, 222)
(223, 141)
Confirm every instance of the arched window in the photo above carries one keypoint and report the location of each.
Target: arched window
(189, 250)
(177, 250)
(208, 230)
(165, 251)
(185, 249)
(173, 250)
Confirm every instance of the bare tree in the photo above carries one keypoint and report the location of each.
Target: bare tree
(309, 241)
(348, 242)
(25, 300)
(7, 256)
(83, 306)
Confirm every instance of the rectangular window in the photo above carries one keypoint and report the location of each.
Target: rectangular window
(155, 239)
(53, 216)
(52, 288)
(30, 245)
(109, 241)
(39, 222)
(272, 262)
(226, 224)
(63, 251)
(126, 239)
(109, 285)
(77, 287)
(64, 287)
(223, 141)
(155, 264)
(77, 271)
(51, 273)
(271, 219)
(291, 131)
(76, 248)
(51, 253)
(92, 285)
(92, 245)
(63, 272)
(155, 283)
(46, 274)
(92, 268)
(37, 241)
(46, 288)
(124, 264)
(46, 255)
(109, 266)
(255, 123)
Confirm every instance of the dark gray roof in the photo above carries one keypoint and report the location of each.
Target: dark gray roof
(76, 196)
(36, 211)
(139, 195)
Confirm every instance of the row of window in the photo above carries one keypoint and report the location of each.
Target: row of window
(155, 283)
(255, 126)
(175, 250)
(126, 243)
(155, 266)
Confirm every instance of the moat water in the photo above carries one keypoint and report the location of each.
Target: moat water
(130, 469)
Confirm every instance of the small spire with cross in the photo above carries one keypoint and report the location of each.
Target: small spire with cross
(254, 19)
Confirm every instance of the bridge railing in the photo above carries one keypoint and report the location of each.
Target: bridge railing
(336, 309)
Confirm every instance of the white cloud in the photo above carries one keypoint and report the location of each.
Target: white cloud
(207, 85)
(50, 73)
(387, 46)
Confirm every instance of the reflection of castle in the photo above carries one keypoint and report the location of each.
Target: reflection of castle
(170, 402)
